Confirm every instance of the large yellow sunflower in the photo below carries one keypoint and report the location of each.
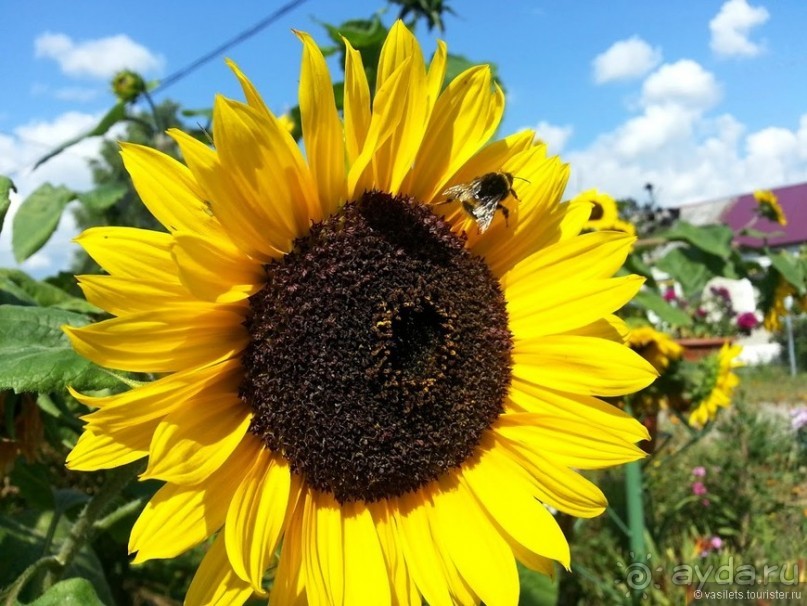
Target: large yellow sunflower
(772, 321)
(656, 347)
(768, 206)
(725, 382)
(604, 213)
(354, 377)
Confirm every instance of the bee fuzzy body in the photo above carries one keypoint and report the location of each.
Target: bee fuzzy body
(483, 196)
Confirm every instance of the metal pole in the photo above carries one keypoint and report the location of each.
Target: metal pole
(791, 347)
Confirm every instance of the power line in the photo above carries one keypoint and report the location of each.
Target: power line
(248, 33)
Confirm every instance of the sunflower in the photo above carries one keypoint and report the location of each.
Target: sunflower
(656, 347)
(361, 395)
(768, 206)
(722, 387)
(778, 309)
(604, 213)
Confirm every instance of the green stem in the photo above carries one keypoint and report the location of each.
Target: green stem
(158, 125)
(120, 513)
(83, 528)
(634, 497)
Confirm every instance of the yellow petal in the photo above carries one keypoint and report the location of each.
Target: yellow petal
(127, 252)
(592, 255)
(418, 548)
(356, 103)
(179, 517)
(437, 74)
(482, 557)
(107, 449)
(120, 296)
(268, 168)
(385, 119)
(257, 517)
(215, 273)
(194, 440)
(525, 397)
(242, 221)
(404, 589)
(464, 118)
(556, 485)
(254, 99)
(156, 399)
(567, 304)
(567, 442)
(610, 327)
(323, 558)
(583, 365)
(164, 341)
(168, 190)
(394, 158)
(322, 130)
(366, 580)
(215, 583)
(504, 490)
(288, 587)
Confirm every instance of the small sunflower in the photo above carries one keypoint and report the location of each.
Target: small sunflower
(772, 321)
(768, 206)
(604, 213)
(723, 386)
(656, 347)
(354, 376)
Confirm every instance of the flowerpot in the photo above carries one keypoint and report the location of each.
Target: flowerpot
(696, 348)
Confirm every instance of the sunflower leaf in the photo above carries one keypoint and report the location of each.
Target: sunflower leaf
(791, 270)
(18, 288)
(70, 591)
(36, 356)
(712, 239)
(101, 198)
(37, 219)
(654, 302)
(6, 187)
(536, 589)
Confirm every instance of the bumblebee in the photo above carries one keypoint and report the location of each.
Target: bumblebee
(483, 196)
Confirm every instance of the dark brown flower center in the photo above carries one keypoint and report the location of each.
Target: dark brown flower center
(379, 353)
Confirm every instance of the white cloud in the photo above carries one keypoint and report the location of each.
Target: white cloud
(100, 58)
(732, 25)
(18, 153)
(553, 135)
(626, 59)
(684, 83)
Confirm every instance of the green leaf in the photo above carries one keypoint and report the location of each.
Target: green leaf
(6, 187)
(37, 219)
(112, 117)
(713, 239)
(70, 592)
(23, 542)
(634, 264)
(35, 354)
(536, 589)
(34, 483)
(652, 301)
(18, 288)
(692, 268)
(791, 270)
(101, 198)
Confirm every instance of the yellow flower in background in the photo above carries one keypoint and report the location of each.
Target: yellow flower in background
(351, 371)
(604, 212)
(725, 382)
(772, 321)
(656, 347)
(768, 206)
(624, 226)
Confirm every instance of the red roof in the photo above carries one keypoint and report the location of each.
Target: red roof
(740, 214)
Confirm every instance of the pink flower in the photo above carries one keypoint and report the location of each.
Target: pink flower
(699, 489)
(747, 321)
(669, 294)
(699, 471)
(706, 502)
(716, 543)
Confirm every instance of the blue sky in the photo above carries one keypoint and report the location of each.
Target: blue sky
(704, 99)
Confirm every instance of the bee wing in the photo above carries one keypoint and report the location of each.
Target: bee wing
(484, 213)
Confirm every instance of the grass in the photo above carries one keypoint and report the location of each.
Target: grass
(772, 384)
